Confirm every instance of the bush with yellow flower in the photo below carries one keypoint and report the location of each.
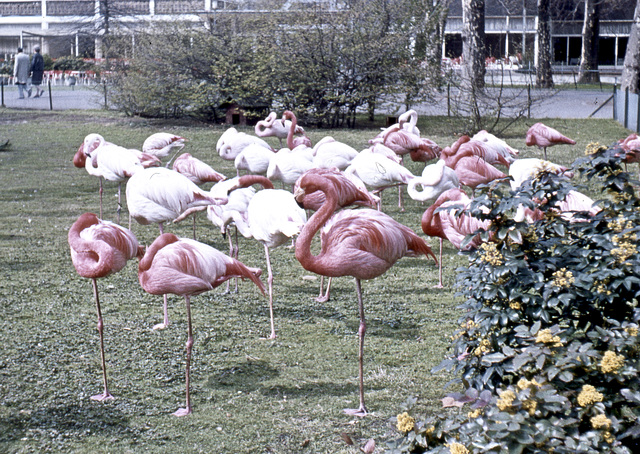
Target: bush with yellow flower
(552, 363)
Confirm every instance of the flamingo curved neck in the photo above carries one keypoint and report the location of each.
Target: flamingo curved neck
(315, 223)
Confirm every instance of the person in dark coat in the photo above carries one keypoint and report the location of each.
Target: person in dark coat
(37, 70)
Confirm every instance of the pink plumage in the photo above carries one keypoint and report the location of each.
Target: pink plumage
(472, 171)
(187, 267)
(360, 243)
(473, 148)
(543, 136)
(447, 225)
(98, 249)
(196, 170)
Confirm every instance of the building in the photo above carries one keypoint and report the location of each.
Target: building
(75, 27)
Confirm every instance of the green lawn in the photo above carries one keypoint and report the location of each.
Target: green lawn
(249, 394)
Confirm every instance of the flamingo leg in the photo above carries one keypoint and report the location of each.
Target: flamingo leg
(165, 304)
(173, 157)
(270, 282)
(324, 297)
(194, 225)
(187, 410)
(235, 252)
(106, 394)
(440, 267)
(100, 191)
(362, 410)
(119, 209)
(400, 198)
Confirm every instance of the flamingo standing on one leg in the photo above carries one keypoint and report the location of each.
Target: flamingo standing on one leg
(159, 195)
(98, 249)
(361, 243)
(187, 267)
(446, 224)
(543, 137)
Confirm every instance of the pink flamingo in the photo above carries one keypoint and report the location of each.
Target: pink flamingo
(543, 136)
(232, 142)
(472, 171)
(631, 147)
(254, 159)
(348, 193)
(473, 148)
(273, 127)
(158, 195)
(361, 243)
(98, 249)
(162, 144)
(403, 142)
(293, 142)
(329, 153)
(528, 168)
(196, 170)
(497, 144)
(447, 225)
(187, 267)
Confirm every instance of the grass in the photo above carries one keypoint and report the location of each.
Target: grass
(249, 394)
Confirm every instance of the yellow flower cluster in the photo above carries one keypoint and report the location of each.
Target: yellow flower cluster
(632, 331)
(589, 396)
(457, 448)
(506, 400)
(600, 422)
(563, 278)
(593, 148)
(405, 422)
(491, 254)
(545, 337)
(483, 347)
(475, 413)
(530, 405)
(621, 197)
(515, 305)
(620, 224)
(611, 362)
(523, 383)
(608, 437)
(626, 247)
(601, 287)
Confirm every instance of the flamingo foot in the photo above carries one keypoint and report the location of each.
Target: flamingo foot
(182, 412)
(104, 396)
(160, 326)
(322, 298)
(438, 286)
(362, 411)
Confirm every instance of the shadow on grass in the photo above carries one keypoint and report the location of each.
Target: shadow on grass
(246, 375)
(72, 420)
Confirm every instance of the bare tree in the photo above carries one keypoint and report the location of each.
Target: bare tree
(473, 43)
(631, 71)
(544, 76)
(590, 37)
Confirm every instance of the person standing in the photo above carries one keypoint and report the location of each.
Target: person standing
(37, 70)
(21, 72)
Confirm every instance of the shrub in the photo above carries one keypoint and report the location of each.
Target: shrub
(548, 350)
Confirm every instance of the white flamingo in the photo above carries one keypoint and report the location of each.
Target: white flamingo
(162, 144)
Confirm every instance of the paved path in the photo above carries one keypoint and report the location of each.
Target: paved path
(563, 104)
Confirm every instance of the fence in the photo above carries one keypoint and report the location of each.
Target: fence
(626, 109)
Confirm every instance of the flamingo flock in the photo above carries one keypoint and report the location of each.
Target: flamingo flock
(339, 184)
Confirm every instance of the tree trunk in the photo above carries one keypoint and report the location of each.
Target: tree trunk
(473, 51)
(544, 75)
(590, 37)
(631, 71)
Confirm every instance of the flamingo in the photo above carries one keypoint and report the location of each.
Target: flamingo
(254, 158)
(187, 267)
(117, 166)
(288, 165)
(631, 147)
(349, 193)
(379, 172)
(497, 144)
(158, 195)
(362, 243)
(231, 214)
(274, 218)
(162, 144)
(329, 153)
(573, 202)
(232, 142)
(525, 169)
(472, 171)
(403, 142)
(409, 120)
(543, 136)
(435, 179)
(98, 249)
(442, 221)
(293, 142)
(473, 148)
(196, 170)
(272, 127)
